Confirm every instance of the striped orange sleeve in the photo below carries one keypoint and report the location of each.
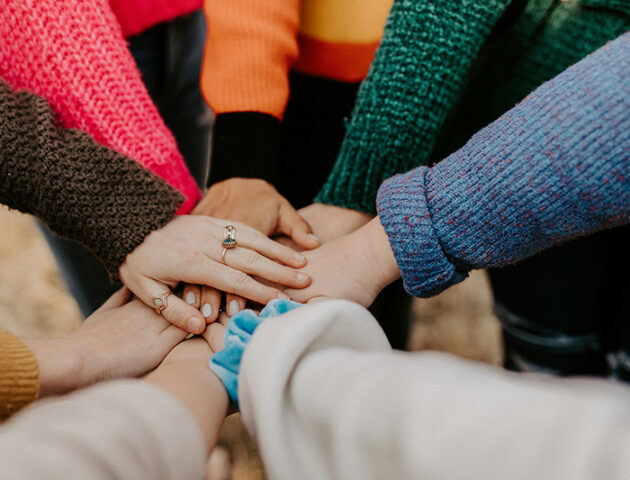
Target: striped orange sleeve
(250, 47)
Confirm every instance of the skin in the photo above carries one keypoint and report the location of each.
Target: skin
(328, 222)
(120, 339)
(263, 209)
(185, 374)
(188, 249)
(368, 263)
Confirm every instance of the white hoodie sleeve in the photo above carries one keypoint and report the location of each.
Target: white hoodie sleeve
(124, 429)
(326, 398)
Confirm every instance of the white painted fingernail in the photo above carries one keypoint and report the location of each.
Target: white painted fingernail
(299, 257)
(283, 295)
(190, 298)
(194, 325)
(206, 310)
(314, 237)
(301, 277)
(233, 308)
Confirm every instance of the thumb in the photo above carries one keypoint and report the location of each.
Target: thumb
(291, 224)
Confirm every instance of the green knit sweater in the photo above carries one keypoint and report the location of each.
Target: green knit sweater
(446, 68)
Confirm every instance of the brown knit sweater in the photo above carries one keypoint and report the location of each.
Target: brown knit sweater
(80, 189)
(19, 375)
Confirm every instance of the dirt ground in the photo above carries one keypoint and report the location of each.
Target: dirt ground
(34, 302)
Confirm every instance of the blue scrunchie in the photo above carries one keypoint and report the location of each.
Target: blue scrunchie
(227, 363)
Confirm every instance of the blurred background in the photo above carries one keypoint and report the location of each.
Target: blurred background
(34, 302)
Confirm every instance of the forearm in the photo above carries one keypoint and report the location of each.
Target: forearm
(250, 48)
(417, 73)
(120, 429)
(553, 168)
(201, 392)
(385, 414)
(91, 81)
(80, 189)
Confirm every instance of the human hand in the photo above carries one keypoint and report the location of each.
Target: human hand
(119, 339)
(355, 267)
(255, 203)
(189, 249)
(330, 222)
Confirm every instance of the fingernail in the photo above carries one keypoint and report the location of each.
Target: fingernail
(302, 277)
(299, 257)
(190, 298)
(194, 324)
(314, 237)
(206, 310)
(283, 295)
(233, 308)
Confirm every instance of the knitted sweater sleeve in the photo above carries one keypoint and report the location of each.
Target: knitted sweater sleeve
(415, 78)
(80, 189)
(250, 48)
(555, 167)
(72, 53)
(19, 375)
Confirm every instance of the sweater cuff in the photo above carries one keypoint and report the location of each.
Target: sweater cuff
(245, 144)
(19, 375)
(404, 213)
(226, 364)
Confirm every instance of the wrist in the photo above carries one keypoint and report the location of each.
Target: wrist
(197, 388)
(380, 257)
(60, 365)
(246, 145)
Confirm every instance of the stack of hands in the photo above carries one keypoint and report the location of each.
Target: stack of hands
(320, 251)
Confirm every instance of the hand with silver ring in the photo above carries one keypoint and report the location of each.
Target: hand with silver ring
(192, 249)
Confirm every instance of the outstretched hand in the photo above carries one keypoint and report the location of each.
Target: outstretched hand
(355, 267)
(256, 203)
(189, 249)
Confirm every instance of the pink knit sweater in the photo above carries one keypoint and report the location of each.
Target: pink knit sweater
(136, 16)
(72, 53)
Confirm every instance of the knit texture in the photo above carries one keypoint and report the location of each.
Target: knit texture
(80, 189)
(227, 362)
(245, 144)
(72, 53)
(555, 167)
(135, 16)
(428, 62)
(19, 375)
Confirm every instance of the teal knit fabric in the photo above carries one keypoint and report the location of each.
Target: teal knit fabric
(446, 68)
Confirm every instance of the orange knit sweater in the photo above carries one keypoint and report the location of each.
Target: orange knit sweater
(19, 375)
(252, 45)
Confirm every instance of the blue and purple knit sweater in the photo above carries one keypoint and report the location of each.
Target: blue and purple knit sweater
(555, 167)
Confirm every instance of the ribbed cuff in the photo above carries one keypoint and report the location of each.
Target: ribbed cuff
(226, 364)
(19, 375)
(245, 144)
(404, 214)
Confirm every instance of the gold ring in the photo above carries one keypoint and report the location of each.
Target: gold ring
(161, 302)
(229, 237)
(223, 255)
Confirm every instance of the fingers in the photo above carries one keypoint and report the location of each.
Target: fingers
(290, 223)
(210, 303)
(252, 239)
(233, 304)
(253, 263)
(215, 333)
(177, 312)
(192, 295)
